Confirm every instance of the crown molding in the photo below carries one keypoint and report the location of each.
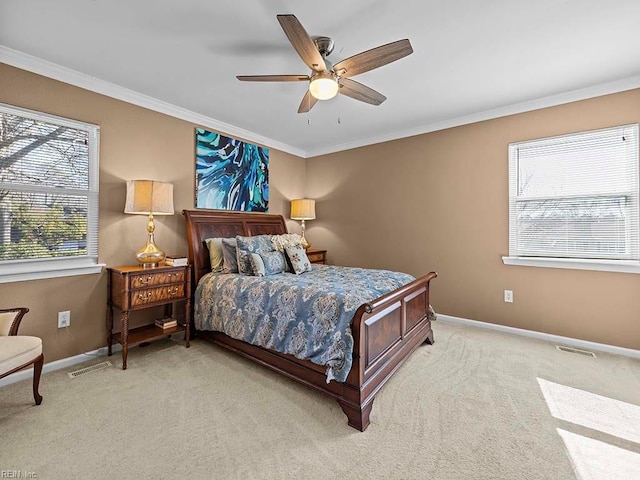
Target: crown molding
(537, 104)
(58, 72)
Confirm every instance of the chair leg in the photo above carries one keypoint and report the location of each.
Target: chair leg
(37, 370)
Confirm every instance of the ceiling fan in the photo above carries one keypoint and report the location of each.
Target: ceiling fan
(326, 81)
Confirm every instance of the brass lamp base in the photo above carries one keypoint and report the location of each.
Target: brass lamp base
(303, 241)
(150, 256)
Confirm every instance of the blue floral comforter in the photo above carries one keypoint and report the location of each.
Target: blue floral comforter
(308, 316)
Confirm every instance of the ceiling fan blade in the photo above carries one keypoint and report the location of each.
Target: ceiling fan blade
(361, 92)
(302, 42)
(374, 58)
(272, 78)
(307, 103)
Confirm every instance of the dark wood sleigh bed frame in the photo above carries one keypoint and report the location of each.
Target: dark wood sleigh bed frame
(385, 331)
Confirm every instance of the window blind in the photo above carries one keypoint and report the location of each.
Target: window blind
(576, 196)
(48, 187)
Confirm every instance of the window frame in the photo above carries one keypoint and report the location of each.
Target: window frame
(42, 268)
(577, 263)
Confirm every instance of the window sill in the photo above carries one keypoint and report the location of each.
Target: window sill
(20, 274)
(622, 266)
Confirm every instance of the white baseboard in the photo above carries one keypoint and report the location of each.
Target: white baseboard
(572, 342)
(58, 364)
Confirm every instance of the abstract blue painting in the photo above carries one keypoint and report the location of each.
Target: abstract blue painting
(230, 174)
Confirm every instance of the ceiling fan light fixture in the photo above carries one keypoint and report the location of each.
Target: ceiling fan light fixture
(324, 85)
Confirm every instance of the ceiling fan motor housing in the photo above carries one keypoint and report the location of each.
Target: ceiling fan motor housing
(324, 44)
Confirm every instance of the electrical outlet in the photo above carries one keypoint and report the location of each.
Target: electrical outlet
(64, 319)
(508, 296)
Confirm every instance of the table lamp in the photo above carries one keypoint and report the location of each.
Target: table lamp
(303, 209)
(148, 197)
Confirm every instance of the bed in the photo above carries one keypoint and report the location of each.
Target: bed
(385, 330)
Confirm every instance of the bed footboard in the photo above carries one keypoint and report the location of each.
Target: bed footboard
(385, 332)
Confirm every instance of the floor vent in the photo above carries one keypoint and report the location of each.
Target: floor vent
(92, 368)
(586, 353)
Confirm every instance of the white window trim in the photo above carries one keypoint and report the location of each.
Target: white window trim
(36, 269)
(601, 264)
(621, 266)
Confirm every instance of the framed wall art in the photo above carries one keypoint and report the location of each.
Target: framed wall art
(230, 174)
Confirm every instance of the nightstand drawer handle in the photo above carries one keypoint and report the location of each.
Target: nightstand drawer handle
(143, 296)
(173, 291)
(145, 280)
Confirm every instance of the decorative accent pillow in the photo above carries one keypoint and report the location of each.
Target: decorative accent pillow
(299, 260)
(230, 262)
(216, 257)
(274, 262)
(286, 239)
(281, 241)
(258, 265)
(267, 263)
(248, 245)
(244, 262)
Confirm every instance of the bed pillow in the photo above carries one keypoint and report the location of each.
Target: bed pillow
(298, 257)
(279, 242)
(267, 263)
(258, 265)
(216, 257)
(248, 245)
(286, 239)
(230, 259)
(244, 262)
(274, 262)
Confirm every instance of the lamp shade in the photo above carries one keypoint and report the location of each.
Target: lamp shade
(148, 196)
(303, 209)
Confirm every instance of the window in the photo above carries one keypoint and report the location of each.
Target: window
(48, 195)
(573, 201)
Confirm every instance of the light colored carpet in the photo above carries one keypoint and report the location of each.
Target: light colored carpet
(469, 407)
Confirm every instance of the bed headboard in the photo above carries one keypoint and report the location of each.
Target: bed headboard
(203, 224)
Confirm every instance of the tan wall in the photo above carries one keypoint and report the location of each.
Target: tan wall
(439, 202)
(432, 202)
(135, 143)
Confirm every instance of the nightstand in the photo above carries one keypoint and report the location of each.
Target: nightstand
(317, 256)
(132, 288)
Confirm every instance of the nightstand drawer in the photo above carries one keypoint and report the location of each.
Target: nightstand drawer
(156, 278)
(152, 295)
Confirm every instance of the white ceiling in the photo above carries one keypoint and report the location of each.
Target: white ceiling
(472, 59)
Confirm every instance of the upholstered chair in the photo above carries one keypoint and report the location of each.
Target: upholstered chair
(19, 351)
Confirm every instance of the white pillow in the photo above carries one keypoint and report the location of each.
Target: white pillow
(286, 239)
(298, 257)
(258, 265)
